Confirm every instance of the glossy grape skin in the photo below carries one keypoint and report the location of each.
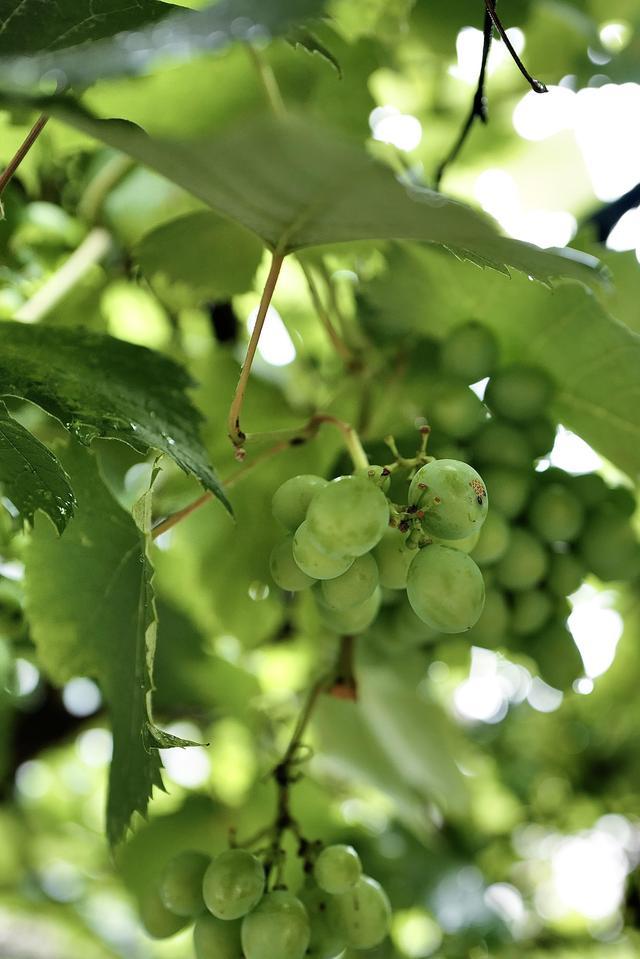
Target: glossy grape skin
(353, 587)
(216, 938)
(350, 622)
(608, 545)
(493, 540)
(378, 475)
(337, 869)
(278, 926)
(510, 489)
(470, 351)
(566, 573)
(525, 562)
(291, 500)
(493, 623)
(519, 392)
(445, 589)
(285, 572)
(363, 914)
(455, 409)
(349, 516)
(159, 922)
(453, 496)
(233, 884)
(181, 883)
(531, 610)
(312, 560)
(556, 514)
(326, 940)
(394, 559)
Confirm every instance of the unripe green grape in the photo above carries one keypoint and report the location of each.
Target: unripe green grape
(353, 587)
(393, 557)
(455, 409)
(348, 622)
(363, 914)
(233, 884)
(519, 392)
(493, 623)
(291, 500)
(278, 926)
(566, 573)
(555, 514)
(623, 499)
(216, 939)
(510, 489)
(555, 652)
(337, 869)
(453, 497)
(493, 540)
(409, 630)
(531, 609)
(608, 545)
(159, 921)
(502, 444)
(348, 516)
(541, 435)
(181, 883)
(590, 488)
(379, 475)
(285, 572)
(312, 559)
(445, 589)
(525, 562)
(326, 941)
(470, 351)
(466, 545)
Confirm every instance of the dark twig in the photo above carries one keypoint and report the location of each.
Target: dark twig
(478, 106)
(22, 151)
(536, 85)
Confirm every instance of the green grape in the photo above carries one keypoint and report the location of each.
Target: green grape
(608, 545)
(524, 563)
(553, 649)
(285, 571)
(233, 884)
(453, 497)
(159, 922)
(353, 587)
(397, 628)
(623, 499)
(379, 475)
(470, 351)
(493, 540)
(493, 623)
(465, 545)
(541, 435)
(502, 444)
(352, 621)
(510, 489)
(393, 558)
(590, 488)
(312, 559)
(555, 514)
(291, 500)
(566, 573)
(348, 516)
(278, 927)
(518, 392)
(531, 610)
(455, 409)
(337, 869)
(326, 940)
(363, 914)
(445, 589)
(181, 883)
(216, 939)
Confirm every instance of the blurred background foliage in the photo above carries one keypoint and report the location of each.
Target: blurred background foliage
(508, 824)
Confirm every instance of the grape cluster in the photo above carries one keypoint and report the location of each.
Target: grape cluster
(350, 543)
(236, 917)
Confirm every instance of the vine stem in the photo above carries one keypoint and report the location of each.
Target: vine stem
(536, 85)
(22, 151)
(236, 435)
(338, 344)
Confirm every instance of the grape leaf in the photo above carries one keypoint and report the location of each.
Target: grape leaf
(301, 37)
(593, 358)
(296, 186)
(31, 476)
(90, 604)
(28, 26)
(97, 385)
(177, 37)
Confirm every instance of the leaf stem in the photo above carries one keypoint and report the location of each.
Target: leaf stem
(338, 343)
(236, 435)
(22, 151)
(95, 246)
(268, 82)
(92, 200)
(536, 85)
